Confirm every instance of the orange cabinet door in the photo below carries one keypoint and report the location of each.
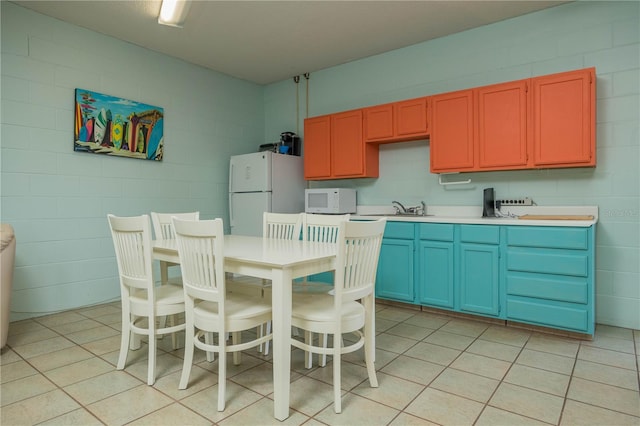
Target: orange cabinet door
(502, 126)
(347, 144)
(411, 118)
(452, 132)
(396, 122)
(564, 119)
(378, 123)
(317, 147)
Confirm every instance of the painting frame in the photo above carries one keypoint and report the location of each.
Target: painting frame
(111, 125)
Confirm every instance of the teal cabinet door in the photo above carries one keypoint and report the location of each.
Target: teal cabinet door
(394, 280)
(436, 276)
(479, 279)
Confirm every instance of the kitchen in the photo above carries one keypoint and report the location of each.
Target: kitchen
(58, 201)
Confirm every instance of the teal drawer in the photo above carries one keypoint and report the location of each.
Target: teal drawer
(400, 230)
(482, 234)
(550, 237)
(559, 262)
(436, 231)
(544, 313)
(551, 287)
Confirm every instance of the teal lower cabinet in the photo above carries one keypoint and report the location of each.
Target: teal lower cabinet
(436, 260)
(539, 275)
(550, 277)
(395, 276)
(479, 266)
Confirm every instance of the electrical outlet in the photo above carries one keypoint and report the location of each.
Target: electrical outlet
(526, 201)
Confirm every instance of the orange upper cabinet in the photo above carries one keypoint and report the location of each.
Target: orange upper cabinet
(317, 147)
(411, 118)
(563, 124)
(334, 148)
(452, 132)
(542, 122)
(535, 123)
(397, 122)
(502, 126)
(379, 124)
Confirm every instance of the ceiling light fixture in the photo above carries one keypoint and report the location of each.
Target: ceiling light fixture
(174, 12)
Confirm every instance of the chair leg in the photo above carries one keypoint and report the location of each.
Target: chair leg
(262, 330)
(260, 333)
(164, 279)
(267, 343)
(371, 368)
(208, 339)
(222, 375)
(174, 336)
(134, 343)
(188, 357)
(323, 357)
(308, 356)
(370, 343)
(236, 339)
(337, 397)
(124, 342)
(153, 343)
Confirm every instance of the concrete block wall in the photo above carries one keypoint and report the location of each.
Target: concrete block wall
(57, 199)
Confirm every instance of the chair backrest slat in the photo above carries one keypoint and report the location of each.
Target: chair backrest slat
(201, 252)
(162, 226)
(357, 260)
(132, 244)
(322, 228)
(284, 226)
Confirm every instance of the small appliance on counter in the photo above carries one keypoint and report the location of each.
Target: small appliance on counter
(330, 200)
(488, 204)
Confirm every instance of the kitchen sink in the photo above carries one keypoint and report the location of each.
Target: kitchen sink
(396, 215)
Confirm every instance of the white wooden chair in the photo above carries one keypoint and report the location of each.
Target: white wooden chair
(323, 228)
(163, 230)
(142, 301)
(209, 308)
(275, 225)
(351, 309)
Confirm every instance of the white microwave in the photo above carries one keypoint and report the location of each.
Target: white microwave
(330, 200)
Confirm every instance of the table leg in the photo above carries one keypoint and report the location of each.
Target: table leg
(281, 302)
(164, 272)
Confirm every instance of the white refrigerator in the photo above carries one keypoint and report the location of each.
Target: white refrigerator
(263, 182)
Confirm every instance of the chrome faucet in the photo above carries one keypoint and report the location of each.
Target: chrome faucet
(400, 209)
(420, 210)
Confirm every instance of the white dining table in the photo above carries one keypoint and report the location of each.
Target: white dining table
(280, 261)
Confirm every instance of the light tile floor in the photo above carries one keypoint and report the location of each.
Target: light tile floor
(432, 369)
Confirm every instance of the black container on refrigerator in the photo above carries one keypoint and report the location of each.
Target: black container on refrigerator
(292, 141)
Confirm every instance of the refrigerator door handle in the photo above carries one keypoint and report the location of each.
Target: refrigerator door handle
(231, 177)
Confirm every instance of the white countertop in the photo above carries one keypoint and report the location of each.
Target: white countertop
(473, 215)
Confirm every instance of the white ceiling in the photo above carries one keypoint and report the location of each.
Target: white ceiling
(269, 41)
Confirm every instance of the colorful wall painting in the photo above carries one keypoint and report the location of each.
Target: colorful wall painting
(114, 126)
